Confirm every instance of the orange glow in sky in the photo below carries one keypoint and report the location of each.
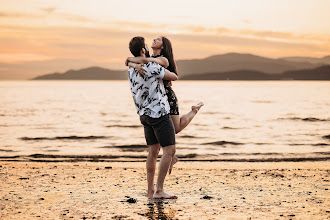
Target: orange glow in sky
(100, 30)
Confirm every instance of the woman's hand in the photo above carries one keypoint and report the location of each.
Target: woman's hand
(168, 83)
(126, 62)
(140, 69)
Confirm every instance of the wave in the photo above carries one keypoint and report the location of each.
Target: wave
(188, 136)
(326, 137)
(310, 119)
(323, 153)
(62, 138)
(246, 154)
(129, 148)
(230, 128)
(318, 144)
(223, 143)
(123, 126)
(7, 151)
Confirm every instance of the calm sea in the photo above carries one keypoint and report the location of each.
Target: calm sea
(96, 120)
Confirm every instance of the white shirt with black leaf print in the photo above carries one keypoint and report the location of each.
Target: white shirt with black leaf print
(148, 92)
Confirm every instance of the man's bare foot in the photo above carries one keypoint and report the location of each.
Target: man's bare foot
(164, 195)
(195, 108)
(174, 160)
(150, 195)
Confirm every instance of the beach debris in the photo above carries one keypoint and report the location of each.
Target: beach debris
(108, 167)
(207, 197)
(131, 200)
(41, 199)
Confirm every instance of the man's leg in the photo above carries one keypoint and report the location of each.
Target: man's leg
(151, 167)
(168, 153)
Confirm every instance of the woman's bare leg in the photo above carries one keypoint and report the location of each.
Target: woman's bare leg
(180, 123)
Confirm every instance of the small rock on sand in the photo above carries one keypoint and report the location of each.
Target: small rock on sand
(207, 197)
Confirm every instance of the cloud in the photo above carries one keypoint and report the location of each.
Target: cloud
(77, 18)
(48, 10)
(18, 15)
(109, 43)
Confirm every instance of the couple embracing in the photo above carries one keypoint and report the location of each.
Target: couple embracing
(157, 105)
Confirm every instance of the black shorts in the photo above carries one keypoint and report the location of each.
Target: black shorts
(158, 130)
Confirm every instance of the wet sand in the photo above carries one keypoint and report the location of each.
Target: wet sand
(206, 190)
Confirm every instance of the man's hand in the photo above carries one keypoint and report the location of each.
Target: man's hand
(140, 69)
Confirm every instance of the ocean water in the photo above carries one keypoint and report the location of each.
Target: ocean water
(96, 120)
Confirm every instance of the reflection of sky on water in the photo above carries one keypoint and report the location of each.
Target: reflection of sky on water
(266, 118)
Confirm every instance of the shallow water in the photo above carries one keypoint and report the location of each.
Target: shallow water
(241, 120)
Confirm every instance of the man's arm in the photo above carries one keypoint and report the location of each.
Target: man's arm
(170, 76)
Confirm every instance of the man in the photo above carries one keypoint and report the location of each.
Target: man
(152, 105)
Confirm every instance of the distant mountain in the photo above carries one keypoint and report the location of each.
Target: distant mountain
(31, 69)
(218, 63)
(235, 61)
(323, 60)
(320, 73)
(91, 73)
(97, 73)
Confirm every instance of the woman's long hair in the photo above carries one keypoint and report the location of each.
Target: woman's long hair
(168, 53)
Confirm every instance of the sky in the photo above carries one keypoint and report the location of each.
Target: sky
(100, 30)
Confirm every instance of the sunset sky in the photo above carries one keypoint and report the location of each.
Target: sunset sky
(100, 30)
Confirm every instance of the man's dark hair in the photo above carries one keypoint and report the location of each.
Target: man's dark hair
(136, 45)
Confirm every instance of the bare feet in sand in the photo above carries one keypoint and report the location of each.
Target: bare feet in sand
(174, 160)
(164, 195)
(195, 108)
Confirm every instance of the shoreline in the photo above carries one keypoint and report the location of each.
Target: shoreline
(142, 158)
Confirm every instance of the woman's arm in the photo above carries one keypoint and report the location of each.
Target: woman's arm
(160, 60)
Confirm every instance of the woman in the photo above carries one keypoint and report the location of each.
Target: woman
(163, 55)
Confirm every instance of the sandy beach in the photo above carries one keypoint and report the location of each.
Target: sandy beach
(206, 190)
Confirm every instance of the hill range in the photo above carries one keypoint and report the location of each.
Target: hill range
(96, 73)
(225, 66)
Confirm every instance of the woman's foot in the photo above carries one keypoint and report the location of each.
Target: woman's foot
(195, 108)
(174, 160)
(164, 195)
